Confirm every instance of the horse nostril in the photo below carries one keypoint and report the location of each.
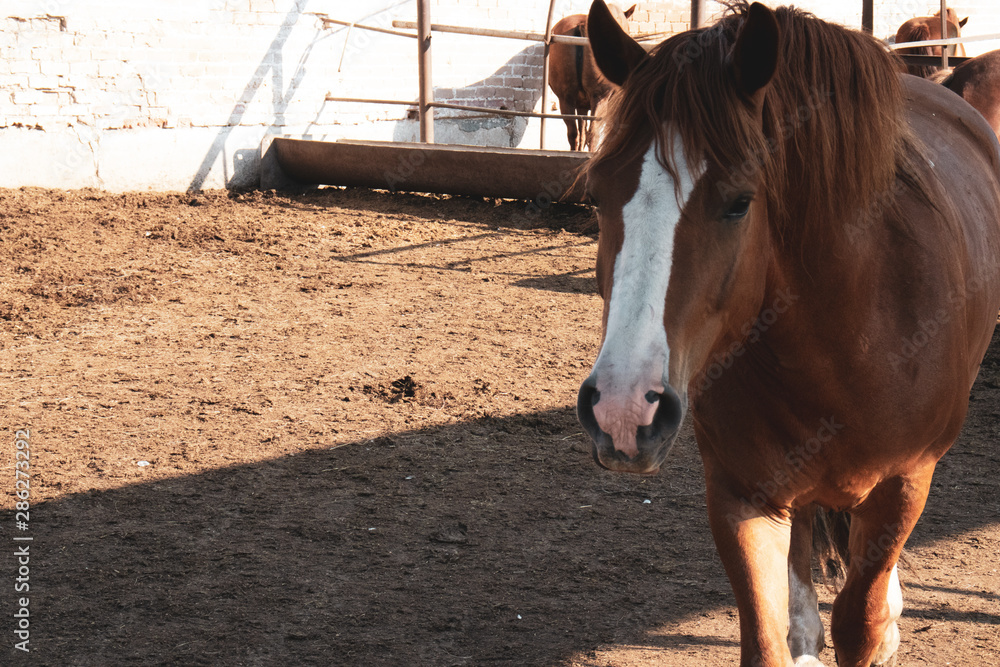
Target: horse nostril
(667, 419)
(585, 402)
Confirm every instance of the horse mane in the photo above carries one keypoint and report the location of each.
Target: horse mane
(833, 136)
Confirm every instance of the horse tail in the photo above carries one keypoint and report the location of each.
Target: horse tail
(831, 530)
(914, 33)
(923, 32)
(578, 52)
(947, 81)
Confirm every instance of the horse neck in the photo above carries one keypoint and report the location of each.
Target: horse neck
(807, 257)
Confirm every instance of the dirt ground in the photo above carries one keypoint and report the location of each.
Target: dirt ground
(337, 428)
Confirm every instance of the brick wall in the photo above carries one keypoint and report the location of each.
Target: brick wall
(179, 94)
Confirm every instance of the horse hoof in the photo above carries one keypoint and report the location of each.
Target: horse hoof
(885, 656)
(808, 661)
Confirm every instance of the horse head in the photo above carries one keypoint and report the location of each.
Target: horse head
(682, 251)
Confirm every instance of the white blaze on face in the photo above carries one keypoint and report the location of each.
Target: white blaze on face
(635, 354)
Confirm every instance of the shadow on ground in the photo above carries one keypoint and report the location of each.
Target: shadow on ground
(505, 213)
(492, 542)
(488, 542)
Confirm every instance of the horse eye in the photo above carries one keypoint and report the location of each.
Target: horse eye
(738, 209)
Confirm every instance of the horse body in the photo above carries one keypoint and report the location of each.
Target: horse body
(978, 82)
(924, 28)
(794, 271)
(852, 332)
(575, 78)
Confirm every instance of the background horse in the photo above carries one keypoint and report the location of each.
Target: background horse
(978, 82)
(574, 77)
(812, 269)
(925, 28)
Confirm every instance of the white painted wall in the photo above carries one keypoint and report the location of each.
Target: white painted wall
(177, 95)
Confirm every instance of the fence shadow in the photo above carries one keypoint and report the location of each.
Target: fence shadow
(271, 63)
(457, 209)
(516, 85)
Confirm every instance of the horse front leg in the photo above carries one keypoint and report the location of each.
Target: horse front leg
(806, 639)
(753, 544)
(863, 625)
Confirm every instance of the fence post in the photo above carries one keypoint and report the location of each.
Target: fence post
(944, 33)
(698, 14)
(545, 73)
(426, 112)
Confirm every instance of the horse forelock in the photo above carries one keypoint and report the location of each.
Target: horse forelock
(829, 138)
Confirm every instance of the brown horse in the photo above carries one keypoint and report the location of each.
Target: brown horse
(925, 28)
(978, 82)
(812, 270)
(574, 77)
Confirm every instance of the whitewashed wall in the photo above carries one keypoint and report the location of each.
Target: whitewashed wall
(176, 95)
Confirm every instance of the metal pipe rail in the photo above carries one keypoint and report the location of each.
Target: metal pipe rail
(462, 107)
(490, 32)
(519, 34)
(425, 28)
(947, 42)
(350, 24)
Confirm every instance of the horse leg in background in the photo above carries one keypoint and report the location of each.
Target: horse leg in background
(584, 130)
(572, 126)
(864, 614)
(754, 550)
(595, 134)
(805, 627)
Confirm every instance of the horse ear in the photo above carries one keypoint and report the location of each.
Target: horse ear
(616, 54)
(961, 24)
(631, 10)
(755, 54)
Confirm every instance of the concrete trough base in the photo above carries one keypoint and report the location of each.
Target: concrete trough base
(510, 173)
